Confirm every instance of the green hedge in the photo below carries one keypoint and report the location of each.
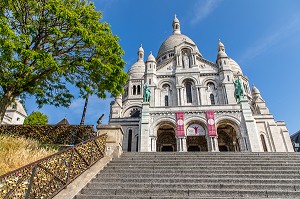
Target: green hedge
(51, 134)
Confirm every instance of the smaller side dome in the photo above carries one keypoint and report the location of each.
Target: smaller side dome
(137, 70)
(236, 69)
(151, 58)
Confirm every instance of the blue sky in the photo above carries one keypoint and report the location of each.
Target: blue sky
(262, 36)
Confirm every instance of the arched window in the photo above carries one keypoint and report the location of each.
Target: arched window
(129, 140)
(138, 89)
(188, 88)
(212, 99)
(134, 90)
(263, 141)
(166, 100)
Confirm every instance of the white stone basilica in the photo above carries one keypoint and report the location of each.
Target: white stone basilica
(192, 105)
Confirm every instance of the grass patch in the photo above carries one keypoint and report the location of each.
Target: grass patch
(16, 152)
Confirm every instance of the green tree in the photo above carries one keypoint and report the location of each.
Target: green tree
(48, 45)
(35, 118)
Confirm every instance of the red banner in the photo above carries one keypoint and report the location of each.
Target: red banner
(211, 126)
(180, 124)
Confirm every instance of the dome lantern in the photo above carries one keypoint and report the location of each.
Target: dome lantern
(176, 26)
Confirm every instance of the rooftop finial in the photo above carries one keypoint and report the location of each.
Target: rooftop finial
(176, 25)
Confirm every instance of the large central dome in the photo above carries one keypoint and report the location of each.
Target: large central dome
(172, 41)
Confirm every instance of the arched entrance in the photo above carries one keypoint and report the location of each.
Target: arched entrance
(166, 140)
(196, 140)
(196, 143)
(227, 137)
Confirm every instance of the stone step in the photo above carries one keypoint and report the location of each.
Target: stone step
(230, 186)
(236, 164)
(197, 180)
(83, 196)
(197, 161)
(191, 192)
(196, 175)
(196, 168)
(198, 171)
(166, 159)
(208, 154)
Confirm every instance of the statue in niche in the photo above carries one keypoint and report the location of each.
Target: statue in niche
(185, 60)
(147, 93)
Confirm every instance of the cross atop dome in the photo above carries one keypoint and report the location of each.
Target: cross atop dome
(176, 25)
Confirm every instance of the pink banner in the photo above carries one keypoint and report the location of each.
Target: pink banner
(180, 124)
(211, 126)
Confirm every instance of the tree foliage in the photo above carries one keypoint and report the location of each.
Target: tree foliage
(36, 118)
(46, 45)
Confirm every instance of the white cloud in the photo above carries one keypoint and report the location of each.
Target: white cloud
(275, 37)
(203, 9)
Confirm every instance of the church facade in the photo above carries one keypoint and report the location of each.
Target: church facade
(179, 101)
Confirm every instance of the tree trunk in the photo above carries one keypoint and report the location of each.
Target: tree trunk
(5, 101)
(84, 110)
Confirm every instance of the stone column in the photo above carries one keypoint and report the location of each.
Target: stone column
(153, 144)
(114, 139)
(250, 127)
(178, 96)
(212, 143)
(181, 144)
(144, 138)
(203, 95)
(199, 95)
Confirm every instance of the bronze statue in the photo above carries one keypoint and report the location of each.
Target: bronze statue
(239, 92)
(147, 93)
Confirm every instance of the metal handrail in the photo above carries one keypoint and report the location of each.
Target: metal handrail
(48, 176)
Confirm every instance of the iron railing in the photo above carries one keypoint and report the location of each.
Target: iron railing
(48, 176)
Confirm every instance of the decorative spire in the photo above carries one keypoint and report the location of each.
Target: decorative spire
(255, 90)
(221, 50)
(221, 46)
(141, 54)
(176, 26)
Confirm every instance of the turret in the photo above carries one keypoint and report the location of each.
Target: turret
(141, 54)
(259, 103)
(176, 26)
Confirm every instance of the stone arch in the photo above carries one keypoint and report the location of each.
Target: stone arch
(206, 80)
(164, 81)
(183, 79)
(196, 142)
(165, 132)
(200, 119)
(128, 111)
(155, 125)
(229, 136)
(266, 144)
(170, 93)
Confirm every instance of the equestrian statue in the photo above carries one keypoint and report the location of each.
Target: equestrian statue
(239, 92)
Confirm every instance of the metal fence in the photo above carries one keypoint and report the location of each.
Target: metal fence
(48, 176)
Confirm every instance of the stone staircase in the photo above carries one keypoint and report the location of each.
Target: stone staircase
(197, 175)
